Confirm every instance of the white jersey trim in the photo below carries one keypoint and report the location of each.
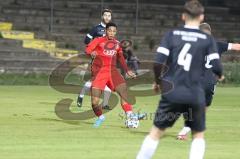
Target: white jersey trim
(163, 50)
(213, 56)
(103, 25)
(90, 36)
(230, 46)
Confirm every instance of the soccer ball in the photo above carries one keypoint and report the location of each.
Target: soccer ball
(132, 122)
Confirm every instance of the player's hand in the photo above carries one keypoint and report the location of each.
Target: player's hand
(222, 78)
(93, 54)
(130, 74)
(156, 87)
(236, 47)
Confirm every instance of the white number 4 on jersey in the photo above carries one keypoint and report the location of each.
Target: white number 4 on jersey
(184, 58)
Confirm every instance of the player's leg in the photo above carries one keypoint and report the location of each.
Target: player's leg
(182, 135)
(121, 89)
(84, 90)
(150, 143)
(135, 66)
(197, 125)
(198, 146)
(165, 117)
(118, 84)
(95, 98)
(106, 95)
(209, 93)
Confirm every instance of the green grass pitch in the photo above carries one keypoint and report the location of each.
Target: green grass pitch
(30, 129)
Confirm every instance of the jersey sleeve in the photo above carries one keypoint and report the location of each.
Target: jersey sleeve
(90, 36)
(222, 47)
(92, 46)
(163, 51)
(121, 59)
(214, 57)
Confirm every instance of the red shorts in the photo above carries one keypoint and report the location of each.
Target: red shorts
(112, 80)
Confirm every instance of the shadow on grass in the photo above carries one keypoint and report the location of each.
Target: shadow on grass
(144, 133)
(89, 126)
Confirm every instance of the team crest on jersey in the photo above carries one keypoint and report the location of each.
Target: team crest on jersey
(110, 52)
(110, 48)
(110, 45)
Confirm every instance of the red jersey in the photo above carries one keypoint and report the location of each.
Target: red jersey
(106, 52)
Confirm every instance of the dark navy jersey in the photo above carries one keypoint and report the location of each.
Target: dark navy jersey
(222, 47)
(97, 31)
(209, 77)
(183, 51)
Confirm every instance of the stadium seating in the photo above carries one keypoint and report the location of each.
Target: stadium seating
(72, 19)
(15, 59)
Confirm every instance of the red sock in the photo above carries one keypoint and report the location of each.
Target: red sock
(127, 107)
(97, 110)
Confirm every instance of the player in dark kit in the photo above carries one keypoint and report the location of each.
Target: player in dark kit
(100, 29)
(183, 51)
(97, 31)
(106, 51)
(209, 80)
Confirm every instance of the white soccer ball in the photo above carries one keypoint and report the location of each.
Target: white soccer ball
(132, 123)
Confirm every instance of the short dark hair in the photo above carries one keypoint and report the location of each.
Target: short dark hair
(205, 26)
(107, 10)
(193, 8)
(111, 24)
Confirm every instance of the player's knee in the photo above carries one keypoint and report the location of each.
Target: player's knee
(95, 101)
(88, 84)
(197, 135)
(156, 133)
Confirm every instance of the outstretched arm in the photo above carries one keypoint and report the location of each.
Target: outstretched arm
(224, 47)
(234, 46)
(123, 63)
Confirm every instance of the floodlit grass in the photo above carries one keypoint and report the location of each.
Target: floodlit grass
(30, 129)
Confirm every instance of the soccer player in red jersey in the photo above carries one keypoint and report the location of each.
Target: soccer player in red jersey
(97, 31)
(106, 51)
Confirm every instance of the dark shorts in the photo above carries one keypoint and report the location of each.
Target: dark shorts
(209, 93)
(168, 113)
